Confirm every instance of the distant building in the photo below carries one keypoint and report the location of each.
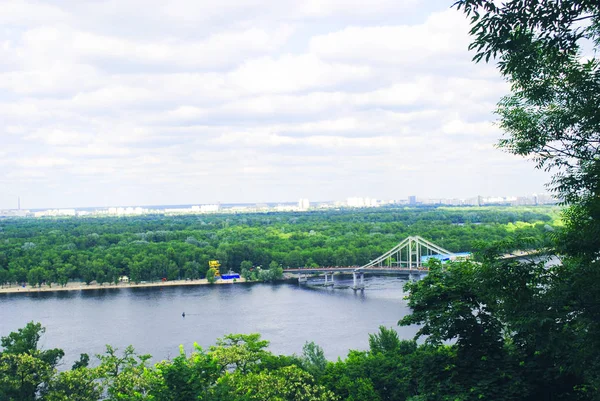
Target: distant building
(412, 200)
(546, 199)
(209, 208)
(56, 213)
(362, 202)
(303, 204)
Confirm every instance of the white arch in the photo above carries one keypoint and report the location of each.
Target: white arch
(407, 254)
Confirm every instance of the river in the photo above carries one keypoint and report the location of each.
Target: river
(151, 319)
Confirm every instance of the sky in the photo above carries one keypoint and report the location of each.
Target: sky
(146, 102)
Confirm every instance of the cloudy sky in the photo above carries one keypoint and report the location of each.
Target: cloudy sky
(141, 102)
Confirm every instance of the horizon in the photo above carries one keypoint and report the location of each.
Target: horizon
(419, 202)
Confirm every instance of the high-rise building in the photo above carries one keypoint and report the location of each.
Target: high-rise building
(412, 200)
(303, 204)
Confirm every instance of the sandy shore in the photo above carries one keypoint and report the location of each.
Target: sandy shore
(83, 286)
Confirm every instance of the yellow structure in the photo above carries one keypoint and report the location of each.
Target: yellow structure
(214, 265)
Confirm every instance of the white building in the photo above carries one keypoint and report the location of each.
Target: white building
(209, 208)
(362, 202)
(303, 204)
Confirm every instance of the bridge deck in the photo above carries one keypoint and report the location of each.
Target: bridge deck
(356, 269)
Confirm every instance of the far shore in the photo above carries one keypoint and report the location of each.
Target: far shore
(75, 286)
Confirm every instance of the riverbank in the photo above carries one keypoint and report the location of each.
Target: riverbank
(82, 286)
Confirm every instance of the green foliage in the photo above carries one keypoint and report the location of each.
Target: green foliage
(184, 378)
(22, 376)
(451, 305)
(149, 248)
(273, 273)
(24, 369)
(289, 383)
(75, 385)
(211, 276)
(385, 341)
(83, 362)
(124, 376)
(547, 50)
(313, 359)
(239, 352)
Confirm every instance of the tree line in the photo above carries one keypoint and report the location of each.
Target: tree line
(149, 248)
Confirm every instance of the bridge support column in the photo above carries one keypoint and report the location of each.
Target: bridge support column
(328, 283)
(356, 284)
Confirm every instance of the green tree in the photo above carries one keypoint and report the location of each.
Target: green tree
(276, 270)
(553, 117)
(26, 370)
(313, 359)
(287, 383)
(36, 276)
(124, 376)
(22, 376)
(239, 352)
(246, 265)
(385, 341)
(210, 276)
(184, 378)
(75, 385)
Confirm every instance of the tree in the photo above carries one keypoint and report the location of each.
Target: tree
(287, 383)
(450, 304)
(4, 276)
(313, 359)
(75, 385)
(211, 276)
(22, 376)
(124, 376)
(276, 270)
(24, 369)
(36, 276)
(553, 113)
(385, 341)
(553, 117)
(246, 265)
(184, 378)
(239, 352)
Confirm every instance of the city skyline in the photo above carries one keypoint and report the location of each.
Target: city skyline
(104, 104)
(302, 204)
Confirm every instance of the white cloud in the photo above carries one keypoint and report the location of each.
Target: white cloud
(58, 137)
(42, 162)
(326, 8)
(214, 51)
(112, 97)
(26, 12)
(442, 35)
(292, 73)
(153, 102)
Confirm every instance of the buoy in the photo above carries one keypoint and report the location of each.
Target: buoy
(183, 314)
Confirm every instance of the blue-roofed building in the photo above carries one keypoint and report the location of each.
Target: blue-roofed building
(445, 258)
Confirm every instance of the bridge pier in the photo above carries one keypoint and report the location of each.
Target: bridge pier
(328, 283)
(414, 276)
(360, 283)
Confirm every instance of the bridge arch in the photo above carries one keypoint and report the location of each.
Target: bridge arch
(409, 254)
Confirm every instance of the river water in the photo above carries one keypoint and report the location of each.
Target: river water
(151, 319)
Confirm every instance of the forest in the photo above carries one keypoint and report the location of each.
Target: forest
(149, 248)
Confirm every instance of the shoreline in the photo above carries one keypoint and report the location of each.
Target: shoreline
(84, 287)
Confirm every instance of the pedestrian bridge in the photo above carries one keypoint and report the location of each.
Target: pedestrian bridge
(410, 256)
